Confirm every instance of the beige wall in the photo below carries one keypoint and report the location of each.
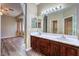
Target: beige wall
(8, 26)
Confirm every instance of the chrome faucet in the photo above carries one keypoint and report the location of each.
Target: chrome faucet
(39, 33)
(63, 36)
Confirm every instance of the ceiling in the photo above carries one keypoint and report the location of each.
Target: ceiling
(37, 3)
(16, 9)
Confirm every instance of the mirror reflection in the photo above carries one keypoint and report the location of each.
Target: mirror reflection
(59, 19)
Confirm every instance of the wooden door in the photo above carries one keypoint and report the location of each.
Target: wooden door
(54, 26)
(68, 25)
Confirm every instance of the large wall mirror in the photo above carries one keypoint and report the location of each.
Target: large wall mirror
(61, 22)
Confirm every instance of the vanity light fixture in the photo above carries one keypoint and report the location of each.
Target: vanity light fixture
(51, 10)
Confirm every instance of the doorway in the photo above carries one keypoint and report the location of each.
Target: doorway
(45, 24)
(68, 25)
(54, 26)
(12, 30)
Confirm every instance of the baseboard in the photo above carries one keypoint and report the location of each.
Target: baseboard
(7, 37)
(28, 49)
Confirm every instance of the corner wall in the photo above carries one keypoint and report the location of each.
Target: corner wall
(31, 12)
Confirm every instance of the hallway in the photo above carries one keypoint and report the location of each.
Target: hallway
(13, 47)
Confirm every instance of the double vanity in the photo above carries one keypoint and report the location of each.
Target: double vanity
(55, 44)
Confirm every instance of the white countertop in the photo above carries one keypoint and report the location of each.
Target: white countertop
(68, 39)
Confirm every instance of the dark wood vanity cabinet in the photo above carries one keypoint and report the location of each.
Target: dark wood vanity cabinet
(53, 48)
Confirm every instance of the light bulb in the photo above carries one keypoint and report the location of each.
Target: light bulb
(1, 13)
(51, 10)
(60, 7)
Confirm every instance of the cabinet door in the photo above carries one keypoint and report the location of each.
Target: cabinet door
(44, 47)
(55, 48)
(34, 42)
(68, 50)
(71, 51)
(45, 50)
(33, 45)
